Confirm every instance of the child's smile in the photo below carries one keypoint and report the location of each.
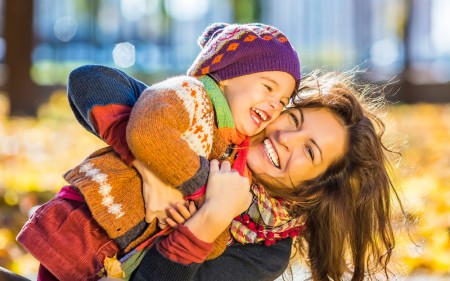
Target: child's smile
(256, 99)
(259, 116)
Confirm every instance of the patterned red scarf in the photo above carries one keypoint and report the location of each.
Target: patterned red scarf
(267, 219)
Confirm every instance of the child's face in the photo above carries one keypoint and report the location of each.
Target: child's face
(257, 99)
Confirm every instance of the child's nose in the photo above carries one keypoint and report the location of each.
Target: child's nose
(276, 104)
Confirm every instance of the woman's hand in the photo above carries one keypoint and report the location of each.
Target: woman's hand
(227, 196)
(228, 193)
(158, 196)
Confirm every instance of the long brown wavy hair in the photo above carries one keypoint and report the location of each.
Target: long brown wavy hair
(348, 228)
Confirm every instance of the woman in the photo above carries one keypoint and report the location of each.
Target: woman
(324, 155)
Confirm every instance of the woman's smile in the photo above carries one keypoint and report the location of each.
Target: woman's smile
(297, 146)
(271, 153)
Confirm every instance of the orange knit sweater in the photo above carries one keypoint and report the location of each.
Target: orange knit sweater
(172, 129)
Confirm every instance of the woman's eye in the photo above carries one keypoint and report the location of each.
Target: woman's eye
(283, 103)
(294, 118)
(310, 152)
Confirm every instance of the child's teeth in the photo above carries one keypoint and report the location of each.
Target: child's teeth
(261, 114)
(256, 119)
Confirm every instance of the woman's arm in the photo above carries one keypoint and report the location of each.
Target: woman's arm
(168, 259)
(101, 99)
(249, 262)
(227, 196)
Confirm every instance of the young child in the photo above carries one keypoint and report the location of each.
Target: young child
(240, 82)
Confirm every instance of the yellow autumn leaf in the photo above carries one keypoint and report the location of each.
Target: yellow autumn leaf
(113, 268)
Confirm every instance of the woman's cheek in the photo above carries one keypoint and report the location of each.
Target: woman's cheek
(299, 172)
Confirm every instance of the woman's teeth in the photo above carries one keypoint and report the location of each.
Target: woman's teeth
(271, 152)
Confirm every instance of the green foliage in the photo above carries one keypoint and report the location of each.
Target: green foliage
(246, 11)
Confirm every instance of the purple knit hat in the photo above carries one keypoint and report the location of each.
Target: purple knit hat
(232, 50)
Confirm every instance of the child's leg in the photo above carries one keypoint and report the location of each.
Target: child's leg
(45, 275)
(67, 241)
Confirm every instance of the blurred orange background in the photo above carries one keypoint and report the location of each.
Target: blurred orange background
(403, 43)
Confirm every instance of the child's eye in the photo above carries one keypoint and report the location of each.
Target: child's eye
(310, 152)
(268, 88)
(283, 102)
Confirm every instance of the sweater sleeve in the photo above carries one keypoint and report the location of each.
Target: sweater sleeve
(101, 99)
(238, 263)
(171, 131)
(184, 247)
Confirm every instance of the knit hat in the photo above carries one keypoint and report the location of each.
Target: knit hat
(232, 50)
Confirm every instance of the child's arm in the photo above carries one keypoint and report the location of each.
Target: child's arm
(158, 196)
(101, 99)
(181, 256)
(171, 131)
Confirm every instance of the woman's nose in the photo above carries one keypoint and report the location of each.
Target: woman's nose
(291, 139)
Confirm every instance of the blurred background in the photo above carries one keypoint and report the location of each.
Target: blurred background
(402, 43)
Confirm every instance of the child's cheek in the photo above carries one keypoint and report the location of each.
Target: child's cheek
(275, 115)
(264, 125)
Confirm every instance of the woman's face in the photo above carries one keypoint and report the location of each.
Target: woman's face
(298, 146)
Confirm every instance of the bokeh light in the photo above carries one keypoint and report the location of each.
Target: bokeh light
(133, 10)
(65, 28)
(124, 54)
(385, 52)
(182, 10)
(440, 23)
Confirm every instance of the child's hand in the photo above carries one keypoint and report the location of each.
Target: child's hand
(180, 213)
(158, 196)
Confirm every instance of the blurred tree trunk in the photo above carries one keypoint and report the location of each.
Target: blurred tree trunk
(22, 91)
(407, 90)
